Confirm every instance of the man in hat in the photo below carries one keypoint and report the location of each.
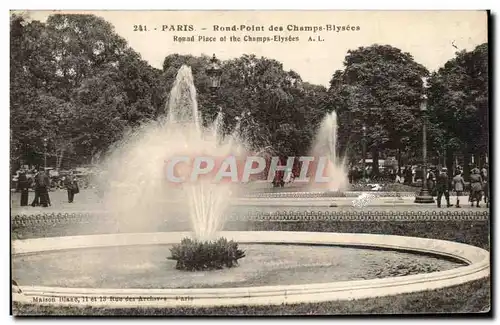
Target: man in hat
(23, 186)
(442, 187)
(42, 184)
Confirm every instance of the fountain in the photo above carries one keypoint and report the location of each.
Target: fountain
(325, 144)
(130, 269)
(137, 193)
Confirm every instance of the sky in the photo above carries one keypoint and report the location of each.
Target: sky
(432, 37)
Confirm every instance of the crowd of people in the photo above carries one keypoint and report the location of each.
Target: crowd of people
(41, 183)
(440, 184)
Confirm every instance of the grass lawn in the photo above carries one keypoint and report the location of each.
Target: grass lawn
(471, 297)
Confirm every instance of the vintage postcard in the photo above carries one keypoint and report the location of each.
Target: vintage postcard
(249, 162)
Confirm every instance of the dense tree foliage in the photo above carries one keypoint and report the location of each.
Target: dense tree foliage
(458, 101)
(380, 87)
(79, 85)
(275, 110)
(76, 83)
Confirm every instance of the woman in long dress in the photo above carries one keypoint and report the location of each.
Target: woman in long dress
(476, 187)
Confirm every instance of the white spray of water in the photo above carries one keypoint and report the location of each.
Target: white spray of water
(137, 191)
(325, 144)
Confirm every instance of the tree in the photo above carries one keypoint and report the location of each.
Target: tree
(77, 83)
(272, 107)
(30, 70)
(458, 101)
(276, 101)
(81, 45)
(379, 87)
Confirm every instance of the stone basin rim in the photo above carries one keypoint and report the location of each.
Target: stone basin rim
(477, 258)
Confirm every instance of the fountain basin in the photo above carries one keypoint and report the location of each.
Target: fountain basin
(477, 261)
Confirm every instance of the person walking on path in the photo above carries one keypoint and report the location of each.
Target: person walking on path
(23, 186)
(43, 182)
(408, 175)
(486, 185)
(476, 187)
(442, 187)
(71, 186)
(458, 185)
(36, 200)
(431, 181)
(399, 177)
(48, 183)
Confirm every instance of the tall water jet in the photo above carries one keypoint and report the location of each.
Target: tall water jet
(137, 191)
(325, 144)
(182, 105)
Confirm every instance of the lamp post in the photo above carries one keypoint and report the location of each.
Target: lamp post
(44, 154)
(214, 72)
(364, 152)
(424, 195)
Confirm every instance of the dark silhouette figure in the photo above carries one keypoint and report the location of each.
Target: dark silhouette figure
(42, 182)
(486, 185)
(36, 200)
(408, 175)
(431, 182)
(71, 186)
(442, 187)
(476, 187)
(458, 185)
(23, 186)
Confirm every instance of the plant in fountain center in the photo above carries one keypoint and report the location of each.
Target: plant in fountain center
(197, 255)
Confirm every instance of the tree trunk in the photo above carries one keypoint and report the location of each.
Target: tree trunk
(60, 158)
(449, 161)
(467, 160)
(398, 157)
(375, 167)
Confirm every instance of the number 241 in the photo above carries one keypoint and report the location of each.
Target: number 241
(140, 28)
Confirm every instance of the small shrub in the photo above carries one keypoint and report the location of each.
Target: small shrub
(194, 255)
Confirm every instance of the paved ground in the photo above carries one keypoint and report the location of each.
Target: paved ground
(87, 200)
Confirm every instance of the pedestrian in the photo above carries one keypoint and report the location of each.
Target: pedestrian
(484, 172)
(399, 176)
(476, 187)
(71, 186)
(23, 186)
(442, 187)
(431, 181)
(408, 175)
(43, 183)
(486, 185)
(48, 182)
(36, 200)
(458, 185)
